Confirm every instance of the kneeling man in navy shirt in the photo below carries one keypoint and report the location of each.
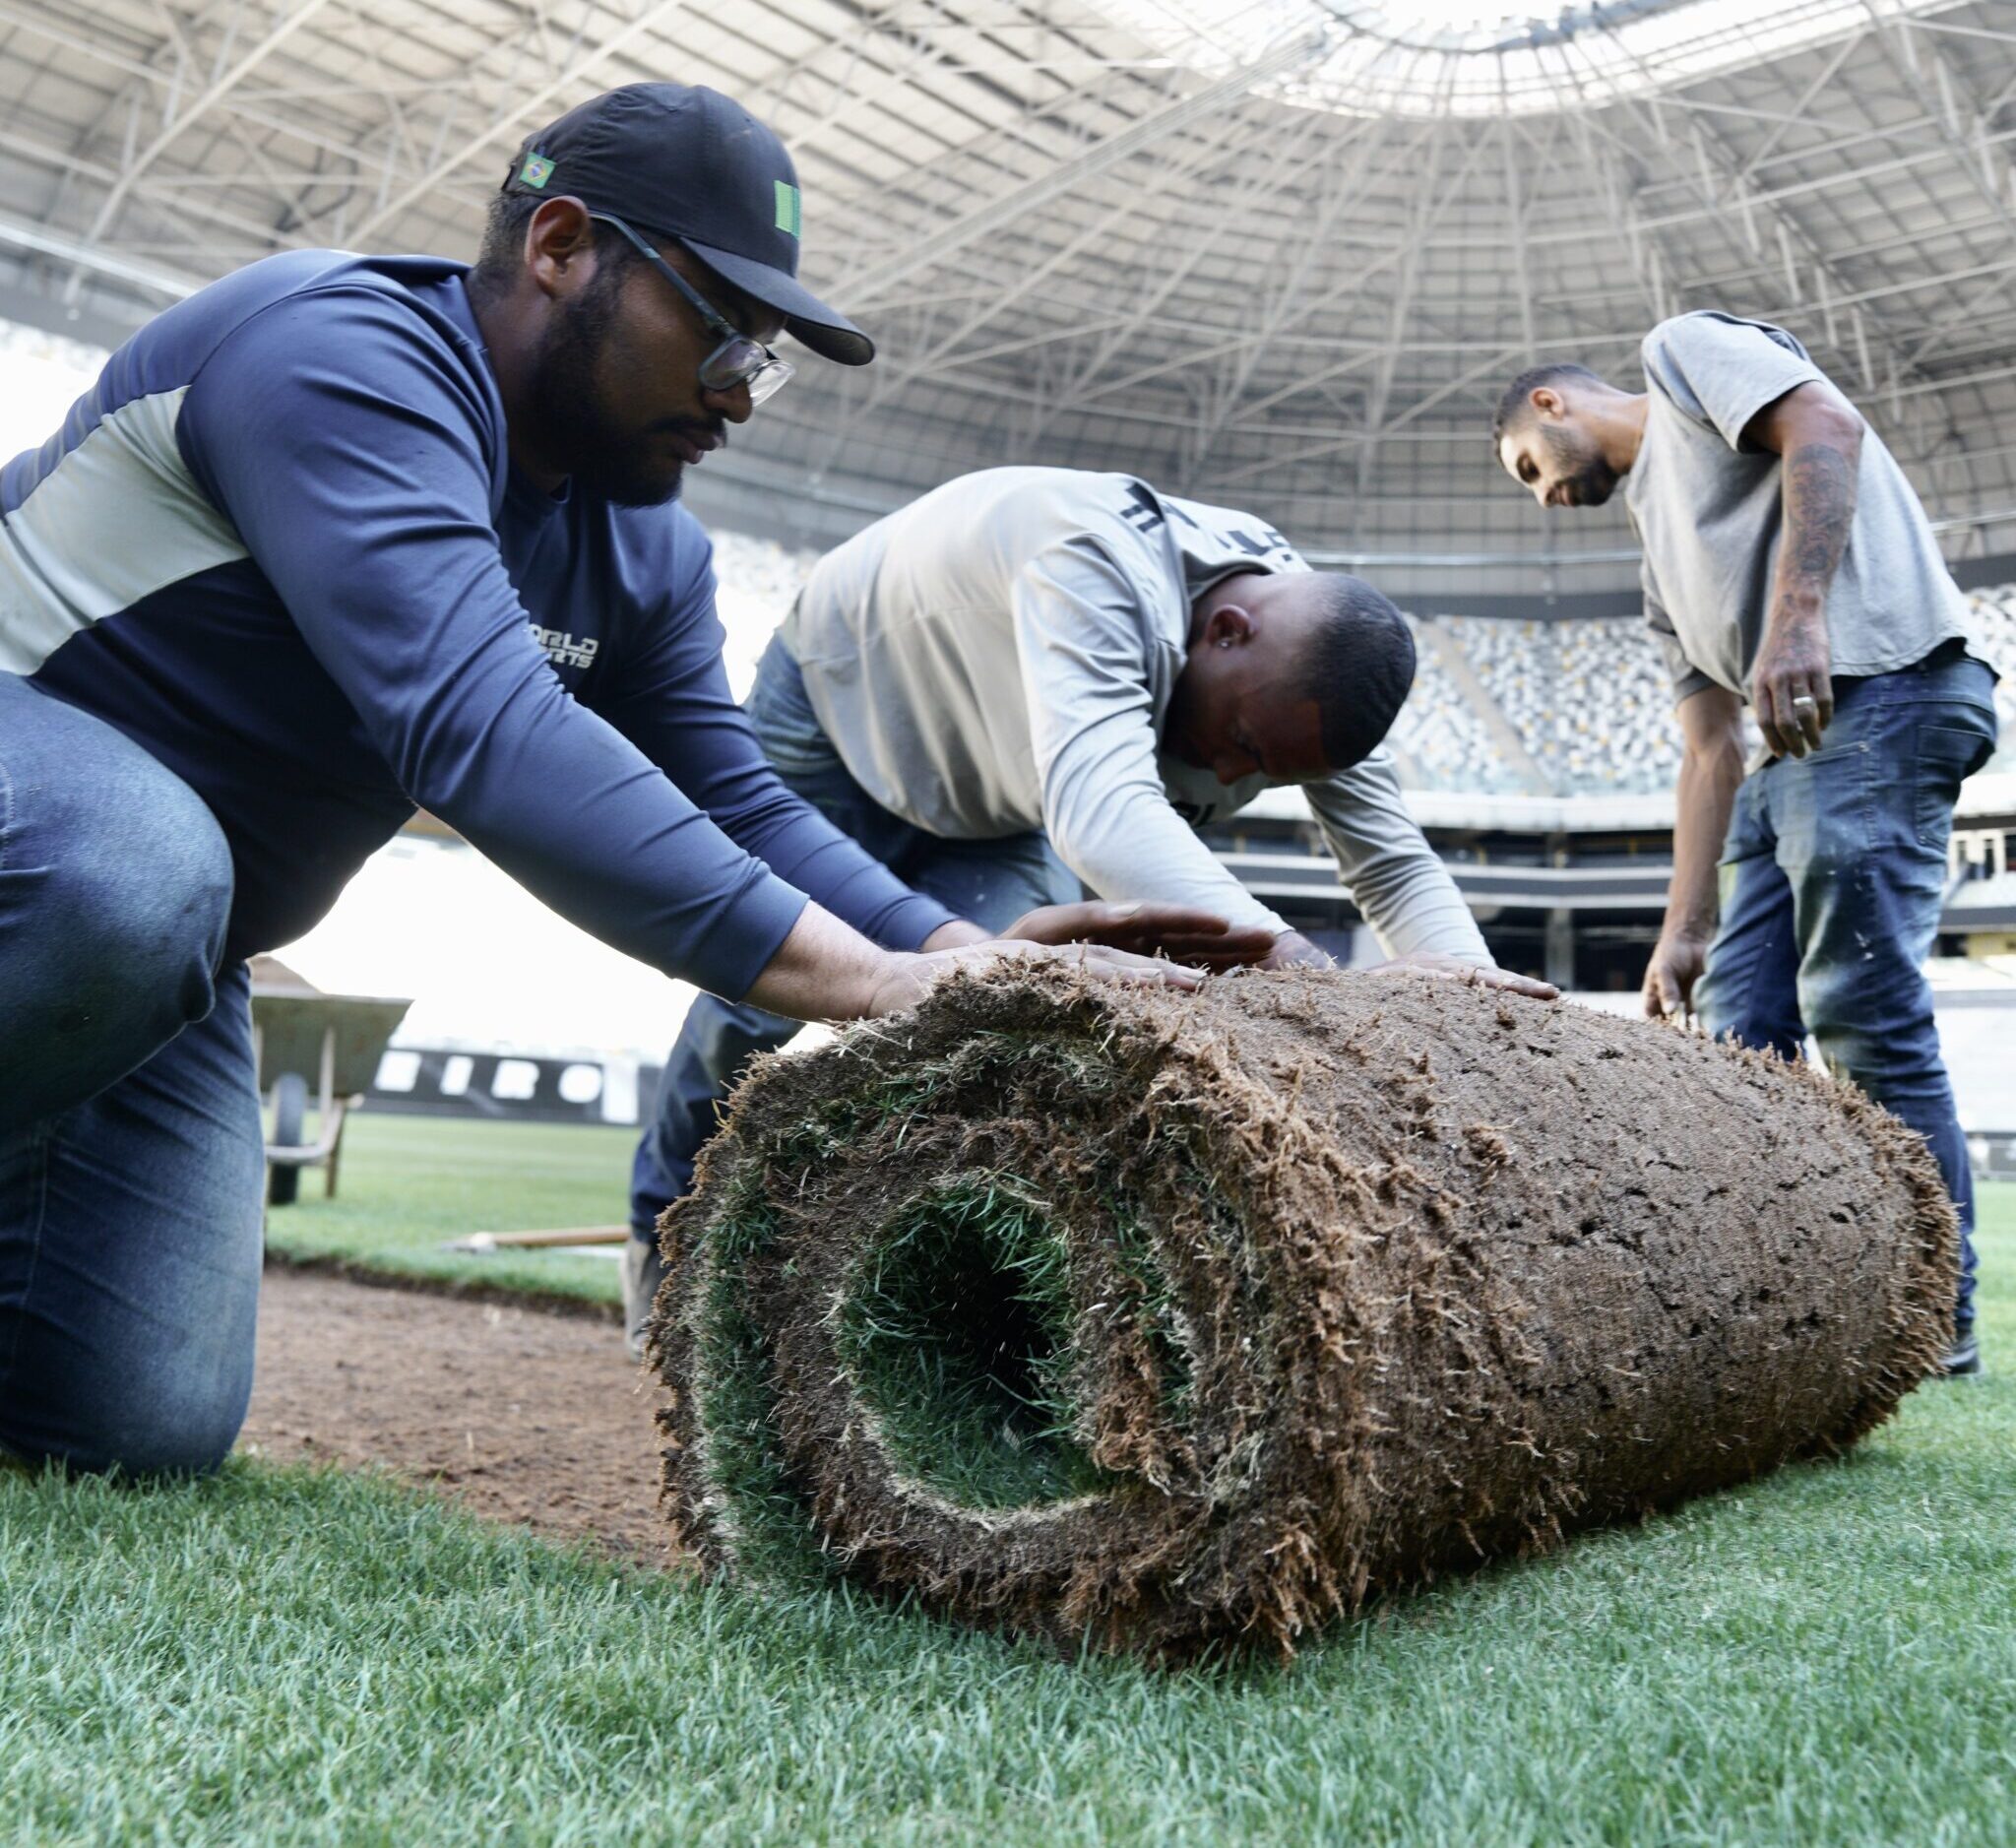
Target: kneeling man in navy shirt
(337, 537)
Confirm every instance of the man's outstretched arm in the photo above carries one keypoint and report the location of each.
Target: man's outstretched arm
(346, 449)
(1711, 770)
(826, 970)
(1399, 881)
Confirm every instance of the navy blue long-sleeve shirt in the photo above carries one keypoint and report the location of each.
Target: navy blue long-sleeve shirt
(281, 546)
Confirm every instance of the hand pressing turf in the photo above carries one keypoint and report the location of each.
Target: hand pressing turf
(1294, 950)
(1476, 975)
(910, 978)
(1184, 933)
(1163, 944)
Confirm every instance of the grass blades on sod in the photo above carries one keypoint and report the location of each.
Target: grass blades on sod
(409, 1184)
(1827, 1656)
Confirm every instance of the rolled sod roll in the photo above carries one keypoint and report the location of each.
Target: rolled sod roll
(1150, 1320)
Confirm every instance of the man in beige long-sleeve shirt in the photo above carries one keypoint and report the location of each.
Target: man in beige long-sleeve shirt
(1032, 678)
(1041, 649)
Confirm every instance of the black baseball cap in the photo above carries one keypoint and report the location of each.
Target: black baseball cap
(691, 162)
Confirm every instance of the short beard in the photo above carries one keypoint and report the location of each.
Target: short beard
(597, 454)
(1589, 480)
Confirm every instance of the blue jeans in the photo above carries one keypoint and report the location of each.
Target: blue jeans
(1833, 876)
(991, 882)
(131, 1153)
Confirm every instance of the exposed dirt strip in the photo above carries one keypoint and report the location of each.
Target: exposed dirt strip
(521, 1415)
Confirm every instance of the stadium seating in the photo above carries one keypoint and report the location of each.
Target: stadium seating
(1994, 618)
(1440, 738)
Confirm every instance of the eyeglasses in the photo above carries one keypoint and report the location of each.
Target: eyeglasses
(739, 359)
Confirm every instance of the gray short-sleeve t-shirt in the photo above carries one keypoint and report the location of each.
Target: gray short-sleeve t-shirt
(1709, 514)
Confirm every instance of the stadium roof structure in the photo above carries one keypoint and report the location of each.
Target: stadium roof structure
(1277, 253)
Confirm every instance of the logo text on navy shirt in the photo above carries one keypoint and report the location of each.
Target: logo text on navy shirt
(562, 648)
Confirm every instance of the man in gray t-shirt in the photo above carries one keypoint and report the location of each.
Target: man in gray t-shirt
(1788, 562)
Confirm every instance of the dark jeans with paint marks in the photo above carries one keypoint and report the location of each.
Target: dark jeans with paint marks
(1833, 876)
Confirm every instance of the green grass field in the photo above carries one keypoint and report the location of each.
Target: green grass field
(1827, 1656)
(411, 1184)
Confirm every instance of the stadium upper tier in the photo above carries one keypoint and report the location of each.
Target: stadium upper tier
(1562, 709)
(1273, 254)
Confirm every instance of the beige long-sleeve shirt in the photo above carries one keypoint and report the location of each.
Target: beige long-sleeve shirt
(1000, 656)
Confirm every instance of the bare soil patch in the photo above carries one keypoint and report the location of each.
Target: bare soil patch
(519, 1414)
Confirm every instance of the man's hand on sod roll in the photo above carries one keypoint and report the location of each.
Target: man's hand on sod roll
(826, 970)
(1199, 940)
(913, 977)
(1291, 949)
(1474, 974)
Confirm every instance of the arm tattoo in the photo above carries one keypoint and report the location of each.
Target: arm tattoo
(1819, 509)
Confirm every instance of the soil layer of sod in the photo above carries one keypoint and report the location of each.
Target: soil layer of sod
(1162, 1320)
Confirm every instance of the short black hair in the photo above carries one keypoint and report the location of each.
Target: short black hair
(1517, 400)
(503, 247)
(1360, 663)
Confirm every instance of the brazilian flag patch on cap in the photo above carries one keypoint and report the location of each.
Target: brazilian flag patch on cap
(535, 171)
(786, 207)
